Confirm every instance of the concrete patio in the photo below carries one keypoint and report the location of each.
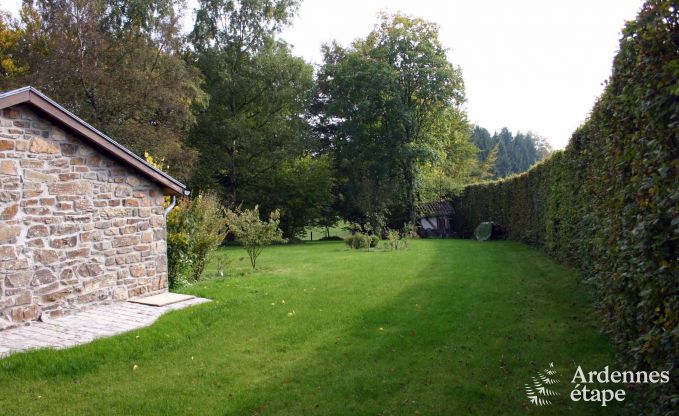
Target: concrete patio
(86, 326)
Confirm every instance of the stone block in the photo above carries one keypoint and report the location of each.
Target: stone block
(67, 277)
(46, 289)
(37, 242)
(62, 229)
(37, 211)
(120, 293)
(122, 191)
(78, 253)
(68, 149)
(7, 253)
(70, 188)
(39, 145)
(95, 235)
(37, 231)
(99, 283)
(6, 145)
(137, 270)
(64, 242)
(9, 212)
(8, 233)
(144, 212)
(25, 313)
(47, 201)
(34, 176)
(126, 240)
(43, 277)
(45, 256)
(137, 291)
(147, 237)
(18, 279)
(8, 167)
(56, 295)
(31, 163)
(90, 270)
(23, 298)
(129, 229)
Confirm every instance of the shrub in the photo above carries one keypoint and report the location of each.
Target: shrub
(359, 240)
(253, 233)
(195, 227)
(331, 238)
(608, 202)
(396, 240)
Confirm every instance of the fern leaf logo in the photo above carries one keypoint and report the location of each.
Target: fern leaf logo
(539, 391)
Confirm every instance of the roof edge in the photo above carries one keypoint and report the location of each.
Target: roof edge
(36, 98)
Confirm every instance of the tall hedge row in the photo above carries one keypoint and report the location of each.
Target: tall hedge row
(609, 202)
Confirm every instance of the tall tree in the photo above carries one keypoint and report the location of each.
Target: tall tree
(10, 34)
(258, 92)
(391, 102)
(513, 153)
(118, 65)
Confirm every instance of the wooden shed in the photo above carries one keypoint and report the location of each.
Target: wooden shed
(433, 219)
(81, 217)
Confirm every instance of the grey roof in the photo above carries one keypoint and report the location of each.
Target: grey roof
(435, 209)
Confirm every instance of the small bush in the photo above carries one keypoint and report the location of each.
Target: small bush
(253, 233)
(360, 240)
(349, 241)
(195, 228)
(396, 240)
(331, 238)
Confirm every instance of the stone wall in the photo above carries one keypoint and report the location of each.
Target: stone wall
(77, 228)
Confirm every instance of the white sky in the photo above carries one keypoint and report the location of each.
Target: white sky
(527, 64)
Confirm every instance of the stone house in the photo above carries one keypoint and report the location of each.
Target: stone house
(81, 218)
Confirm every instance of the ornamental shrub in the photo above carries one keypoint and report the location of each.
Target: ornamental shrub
(195, 228)
(359, 240)
(253, 233)
(609, 203)
(396, 240)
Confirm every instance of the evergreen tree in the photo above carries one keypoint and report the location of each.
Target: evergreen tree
(513, 153)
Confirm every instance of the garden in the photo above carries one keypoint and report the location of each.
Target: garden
(443, 327)
(328, 211)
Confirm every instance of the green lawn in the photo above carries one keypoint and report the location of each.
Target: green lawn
(448, 327)
(339, 230)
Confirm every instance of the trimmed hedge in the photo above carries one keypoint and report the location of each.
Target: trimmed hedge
(609, 203)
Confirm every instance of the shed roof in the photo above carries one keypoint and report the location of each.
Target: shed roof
(435, 209)
(52, 110)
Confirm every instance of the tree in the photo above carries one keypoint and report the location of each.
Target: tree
(456, 166)
(507, 153)
(253, 233)
(10, 35)
(258, 92)
(302, 189)
(118, 65)
(389, 101)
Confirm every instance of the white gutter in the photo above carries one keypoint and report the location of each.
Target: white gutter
(173, 203)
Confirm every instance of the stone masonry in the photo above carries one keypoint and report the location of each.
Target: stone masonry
(77, 228)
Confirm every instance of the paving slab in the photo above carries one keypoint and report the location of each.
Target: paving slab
(86, 326)
(162, 299)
